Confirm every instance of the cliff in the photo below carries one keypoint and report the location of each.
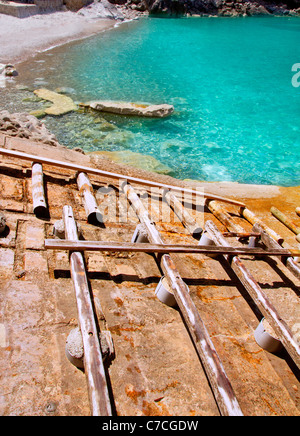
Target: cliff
(213, 7)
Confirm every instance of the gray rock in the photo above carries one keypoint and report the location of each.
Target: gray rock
(103, 9)
(26, 126)
(2, 222)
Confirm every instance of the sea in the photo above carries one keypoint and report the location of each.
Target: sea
(234, 84)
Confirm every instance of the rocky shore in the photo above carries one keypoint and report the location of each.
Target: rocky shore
(131, 9)
(223, 8)
(22, 125)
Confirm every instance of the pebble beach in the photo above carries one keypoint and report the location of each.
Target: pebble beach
(23, 38)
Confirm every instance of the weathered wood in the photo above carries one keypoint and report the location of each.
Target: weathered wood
(38, 193)
(187, 220)
(269, 242)
(259, 297)
(285, 220)
(252, 218)
(221, 386)
(54, 244)
(92, 211)
(97, 172)
(93, 363)
(223, 216)
(241, 235)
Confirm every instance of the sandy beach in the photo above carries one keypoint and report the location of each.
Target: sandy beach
(23, 38)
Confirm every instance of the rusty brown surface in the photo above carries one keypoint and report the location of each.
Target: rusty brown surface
(156, 370)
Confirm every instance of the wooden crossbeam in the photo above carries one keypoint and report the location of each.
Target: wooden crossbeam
(271, 244)
(97, 172)
(68, 245)
(241, 234)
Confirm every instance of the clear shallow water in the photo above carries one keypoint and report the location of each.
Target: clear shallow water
(237, 115)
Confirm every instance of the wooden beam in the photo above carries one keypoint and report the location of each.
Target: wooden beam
(252, 218)
(285, 220)
(259, 297)
(223, 216)
(38, 193)
(241, 234)
(187, 220)
(92, 211)
(269, 242)
(93, 363)
(55, 244)
(221, 386)
(97, 172)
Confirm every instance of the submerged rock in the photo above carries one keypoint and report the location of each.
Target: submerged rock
(137, 160)
(129, 108)
(119, 137)
(104, 125)
(61, 103)
(38, 113)
(65, 90)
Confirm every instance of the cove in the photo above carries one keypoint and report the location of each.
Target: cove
(237, 113)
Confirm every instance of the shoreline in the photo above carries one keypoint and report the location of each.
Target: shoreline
(45, 32)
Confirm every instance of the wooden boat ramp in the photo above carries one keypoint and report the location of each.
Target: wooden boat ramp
(186, 302)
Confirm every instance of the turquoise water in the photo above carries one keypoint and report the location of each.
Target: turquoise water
(237, 115)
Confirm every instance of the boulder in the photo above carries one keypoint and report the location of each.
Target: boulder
(128, 108)
(103, 9)
(61, 103)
